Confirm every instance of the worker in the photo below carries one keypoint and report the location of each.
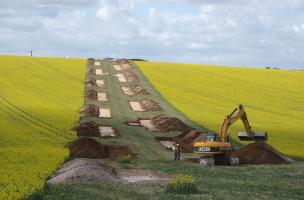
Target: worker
(177, 152)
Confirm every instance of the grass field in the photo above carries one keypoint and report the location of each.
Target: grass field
(39, 102)
(272, 98)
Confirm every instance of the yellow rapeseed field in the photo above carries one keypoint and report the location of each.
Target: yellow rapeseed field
(273, 99)
(39, 102)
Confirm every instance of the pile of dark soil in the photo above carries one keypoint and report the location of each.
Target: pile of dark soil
(139, 90)
(90, 94)
(87, 129)
(90, 81)
(261, 153)
(90, 110)
(131, 77)
(150, 105)
(166, 123)
(90, 62)
(90, 148)
(185, 140)
(90, 71)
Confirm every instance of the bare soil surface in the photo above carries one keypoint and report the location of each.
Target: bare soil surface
(261, 153)
(100, 83)
(89, 110)
(87, 128)
(131, 77)
(97, 63)
(98, 72)
(138, 176)
(108, 131)
(102, 96)
(117, 67)
(93, 171)
(90, 94)
(135, 90)
(150, 105)
(137, 106)
(185, 140)
(105, 113)
(90, 148)
(84, 170)
(121, 78)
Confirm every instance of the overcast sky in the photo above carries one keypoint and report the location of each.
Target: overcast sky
(226, 32)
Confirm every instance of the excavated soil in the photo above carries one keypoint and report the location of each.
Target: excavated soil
(90, 94)
(131, 91)
(90, 110)
(90, 148)
(121, 78)
(90, 81)
(87, 128)
(90, 71)
(92, 171)
(102, 96)
(150, 105)
(261, 153)
(117, 67)
(166, 123)
(185, 140)
(131, 77)
(85, 171)
(100, 83)
(90, 62)
(161, 123)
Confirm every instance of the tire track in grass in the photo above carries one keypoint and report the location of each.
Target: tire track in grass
(33, 120)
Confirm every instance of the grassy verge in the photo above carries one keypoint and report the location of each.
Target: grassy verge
(39, 102)
(247, 182)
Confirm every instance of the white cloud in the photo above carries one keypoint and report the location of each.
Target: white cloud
(298, 28)
(232, 32)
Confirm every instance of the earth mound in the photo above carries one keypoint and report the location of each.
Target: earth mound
(83, 170)
(261, 153)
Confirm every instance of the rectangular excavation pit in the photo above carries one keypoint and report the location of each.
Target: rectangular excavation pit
(100, 83)
(127, 91)
(102, 96)
(117, 67)
(167, 142)
(98, 72)
(105, 113)
(121, 78)
(97, 63)
(107, 131)
(137, 106)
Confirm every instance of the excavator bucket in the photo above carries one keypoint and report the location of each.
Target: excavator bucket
(256, 136)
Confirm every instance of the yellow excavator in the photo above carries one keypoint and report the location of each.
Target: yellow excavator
(218, 146)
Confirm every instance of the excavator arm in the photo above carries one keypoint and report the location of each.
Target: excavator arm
(249, 135)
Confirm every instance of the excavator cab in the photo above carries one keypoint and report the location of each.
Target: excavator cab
(211, 137)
